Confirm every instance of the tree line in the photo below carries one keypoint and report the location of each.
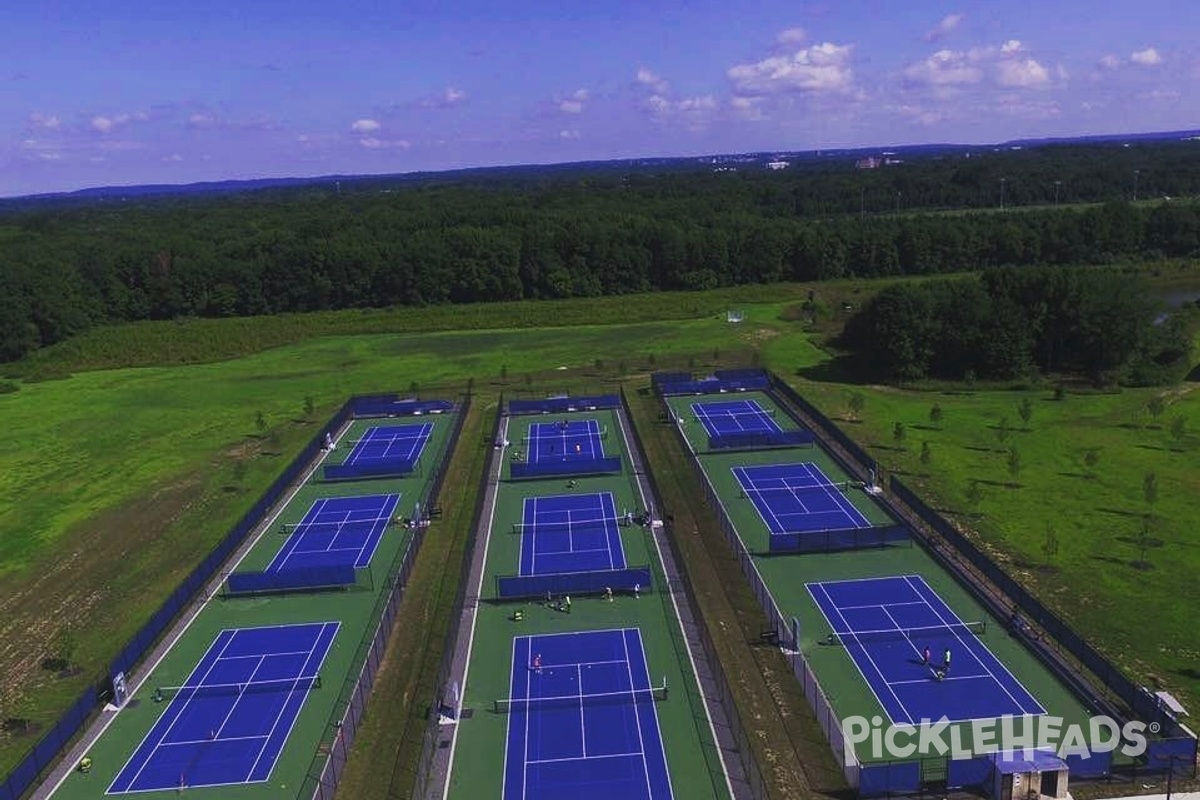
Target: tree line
(1011, 322)
(65, 269)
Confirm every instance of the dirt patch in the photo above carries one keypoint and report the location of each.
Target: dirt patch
(74, 591)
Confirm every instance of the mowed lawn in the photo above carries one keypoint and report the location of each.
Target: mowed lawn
(1071, 531)
(114, 483)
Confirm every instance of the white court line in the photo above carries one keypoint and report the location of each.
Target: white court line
(855, 661)
(587, 758)
(582, 719)
(287, 701)
(969, 647)
(742, 477)
(179, 715)
(475, 614)
(637, 715)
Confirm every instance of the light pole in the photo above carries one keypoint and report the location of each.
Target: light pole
(1056, 185)
(1002, 180)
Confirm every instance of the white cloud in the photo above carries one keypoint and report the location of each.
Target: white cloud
(1109, 61)
(1008, 65)
(1160, 94)
(365, 126)
(173, 157)
(372, 143)
(1146, 58)
(921, 115)
(945, 67)
(749, 109)
(791, 36)
(944, 28)
(107, 123)
(565, 134)
(820, 68)
(201, 120)
(1021, 72)
(655, 83)
(48, 121)
(447, 98)
(570, 107)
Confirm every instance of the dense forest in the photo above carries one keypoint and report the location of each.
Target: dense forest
(1012, 321)
(63, 269)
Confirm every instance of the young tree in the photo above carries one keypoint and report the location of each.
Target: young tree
(309, 406)
(414, 388)
(470, 386)
(598, 364)
(1150, 489)
(926, 454)
(1144, 541)
(1179, 430)
(1050, 544)
(260, 422)
(935, 415)
(239, 472)
(504, 372)
(1025, 409)
(1014, 462)
(1091, 457)
(974, 495)
(856, 403)
(1060, 393)
(1002, 430)
(1156, 405)
(898, 434)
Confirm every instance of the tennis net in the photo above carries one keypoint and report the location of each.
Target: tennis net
(603, 525)
(717, 416)
(825, 488)
(629, 696)
(364, 525)
(915, 635)
(302, 683)
(556, 435)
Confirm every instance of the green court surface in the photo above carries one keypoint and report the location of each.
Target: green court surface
(356, 609)
(479, 755)
(786, 577)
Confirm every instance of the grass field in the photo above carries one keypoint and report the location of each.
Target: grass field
(114, 482)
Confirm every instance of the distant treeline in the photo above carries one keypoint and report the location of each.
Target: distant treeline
(310, 249)
(1013, 321)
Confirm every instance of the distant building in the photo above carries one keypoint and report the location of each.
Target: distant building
(868, 163)
(777, 165)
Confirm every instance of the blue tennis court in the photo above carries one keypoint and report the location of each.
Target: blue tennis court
(337, 532)
(389, 443)
(583, 724)
(886, 623)
(565, 441)
(232, 717)
(570, 533)
(734, 416)
(798, 498)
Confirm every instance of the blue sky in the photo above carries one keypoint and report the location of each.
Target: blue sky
(130, 91)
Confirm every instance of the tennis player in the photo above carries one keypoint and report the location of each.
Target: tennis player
(537, 663)
(927, 654)
(946, 660)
